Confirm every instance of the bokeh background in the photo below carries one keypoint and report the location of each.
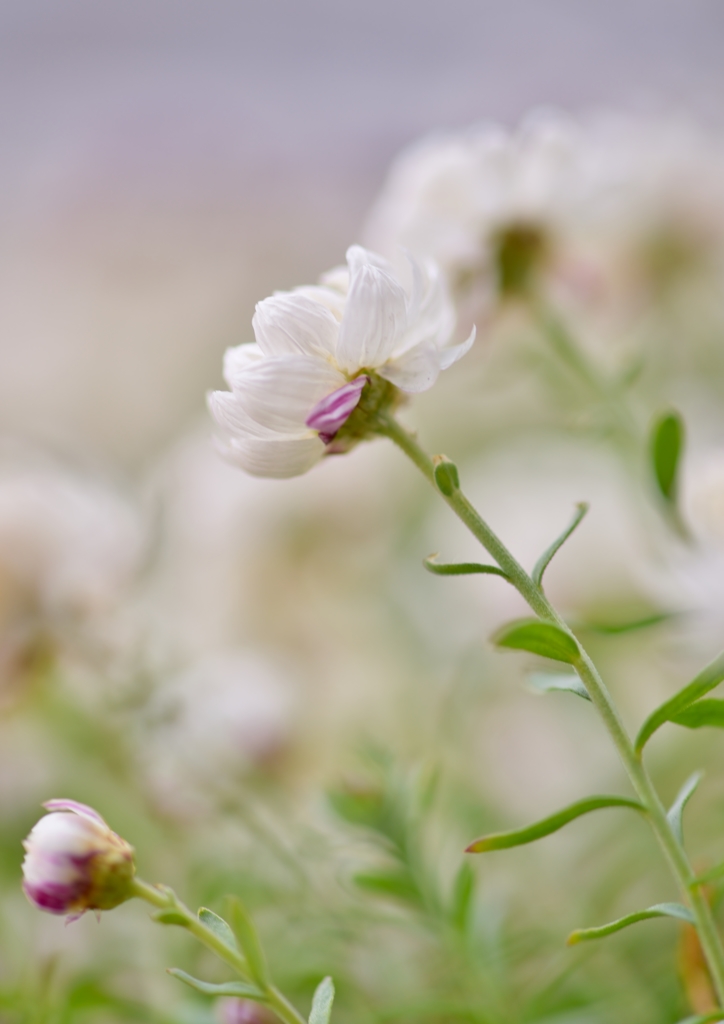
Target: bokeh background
(205, 657)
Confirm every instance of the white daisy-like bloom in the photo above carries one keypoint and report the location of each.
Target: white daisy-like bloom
(318, 347)
(487, 202)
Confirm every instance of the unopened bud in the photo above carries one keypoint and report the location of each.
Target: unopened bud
(446, 475)
(242, 1011)
(74, 862)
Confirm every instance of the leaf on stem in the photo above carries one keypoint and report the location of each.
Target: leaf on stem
(707, 679)
(676, 910)
(248, 939)
(667, 442)
(462, 568)
(545, 559)
(322, 1002)
(227, 988)
(676, 811)
(549, 682)
(704, 712)
(519, 837)
(538, 637)
(219, 927)
(617, 628)
(171, 917)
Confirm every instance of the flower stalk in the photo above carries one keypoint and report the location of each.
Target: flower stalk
(601, 698)
(166, 900)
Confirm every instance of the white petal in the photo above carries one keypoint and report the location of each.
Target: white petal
(238, 359)
(228, 412)
(417, 369)
(279, 394)
(294, 323)
(375, 315)
(448, 356)
(279, 457)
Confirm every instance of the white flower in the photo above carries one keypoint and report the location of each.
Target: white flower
(315, 348)
(74, 862)
(459, 198)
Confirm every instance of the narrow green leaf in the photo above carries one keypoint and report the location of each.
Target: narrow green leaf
(504, 840)
(227, 988)
(446, 475)
(322, 1002)
(710, 876)
(548, 682)
(397, 884)
(462, 896)
(660, 910)
(539, 638)
(170, 917)
(707, 679)
(616, 628)
(219, 927)
(704, 712)
(667, 442)
(545, 559)
(461, 568)
(676, 811)
(246, 936)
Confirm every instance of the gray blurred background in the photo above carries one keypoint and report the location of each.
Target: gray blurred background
(165, 164)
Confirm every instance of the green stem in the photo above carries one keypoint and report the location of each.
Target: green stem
(164, 898)
(600, 697)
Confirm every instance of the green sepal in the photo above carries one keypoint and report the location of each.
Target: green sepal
(227, 988)
(667, 443)
(462, 568)
(519, 837)
(248, 939)
(538, 637)
(395, 883)
(675, 813)
(707, 679)
(171, 917)
(704, 712)
(550, 682)
(676, 910)
(545, 559)
(446, 474)
(322, 1002)
(219, 927)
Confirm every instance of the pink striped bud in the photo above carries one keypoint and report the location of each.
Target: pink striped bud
(74, 862)
(334, 410)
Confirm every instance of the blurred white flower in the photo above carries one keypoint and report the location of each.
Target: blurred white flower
(491, 206)
(74, 862)
(315, 348)
(226, 715)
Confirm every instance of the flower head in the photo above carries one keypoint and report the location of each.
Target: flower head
(74, 862)
(326, 352)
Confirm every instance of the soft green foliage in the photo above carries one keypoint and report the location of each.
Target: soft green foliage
(546, 558)
(218, 926)
(550, 682)
(519, 837)
(707, 680)
(675, 910)
(537, 637)
(321, 1011)
(226, 988)
(676, 811)
(703, 713)
(248, 939)
(461, 568)
(667, 445)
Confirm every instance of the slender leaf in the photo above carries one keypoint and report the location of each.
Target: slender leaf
(676, 811)
(227, 988)
(616, 628)
(246, 936)
(171, 917)
(505, 840)
(322, 1002)
(667, 443)
(219, 927)
(462, 896)
(539, 638)
(707, 679)
(461, 568)
(398, 884)
(548, 682)
(545, 559)
(675, 910)
(704, 712)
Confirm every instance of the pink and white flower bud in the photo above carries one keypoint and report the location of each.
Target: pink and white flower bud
(74, 862)
(242, 1011)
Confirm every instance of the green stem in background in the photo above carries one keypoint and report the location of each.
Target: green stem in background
(165, 899)
(600, 697)
(605, 390)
